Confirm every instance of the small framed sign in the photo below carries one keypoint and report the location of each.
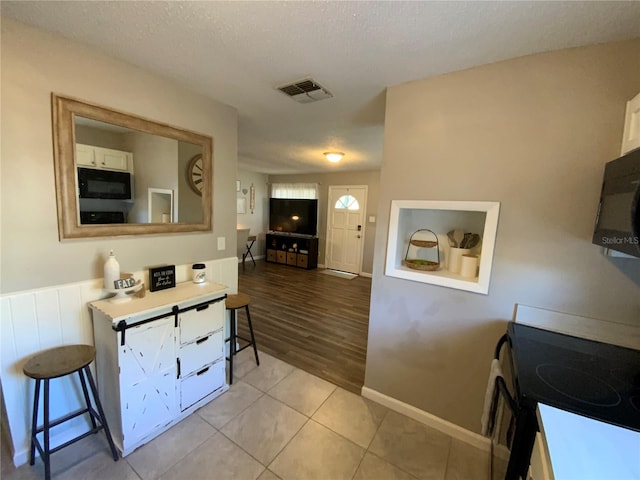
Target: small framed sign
(162, 277)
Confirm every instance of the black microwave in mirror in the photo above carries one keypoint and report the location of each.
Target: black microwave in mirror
(618, 219)
(107, 184)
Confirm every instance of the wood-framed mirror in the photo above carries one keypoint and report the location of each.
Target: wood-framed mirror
(107, 162)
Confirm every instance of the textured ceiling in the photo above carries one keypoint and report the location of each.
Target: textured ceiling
(237, 52)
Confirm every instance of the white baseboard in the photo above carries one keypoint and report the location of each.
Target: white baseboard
(248, 259)
(428, 419)
(362, 274)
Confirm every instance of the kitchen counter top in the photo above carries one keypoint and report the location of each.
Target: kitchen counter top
(162, 300)
(584, 449)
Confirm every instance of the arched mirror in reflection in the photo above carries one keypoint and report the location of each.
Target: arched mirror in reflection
(119, 174)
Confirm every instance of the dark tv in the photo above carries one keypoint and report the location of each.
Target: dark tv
(293, 215)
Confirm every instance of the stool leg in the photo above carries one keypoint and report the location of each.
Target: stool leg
(34, 422)
(103, 418)
(87, 401)
(46, 457)
(253, 338)
(232, 344)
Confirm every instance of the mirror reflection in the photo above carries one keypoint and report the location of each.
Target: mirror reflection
(128, 176)
(119, 174)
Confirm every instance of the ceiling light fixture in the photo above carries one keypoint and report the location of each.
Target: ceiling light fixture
(334, 157)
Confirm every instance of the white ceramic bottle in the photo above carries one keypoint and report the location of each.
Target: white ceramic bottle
(111, 271)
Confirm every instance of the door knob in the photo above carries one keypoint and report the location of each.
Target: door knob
(358, 236)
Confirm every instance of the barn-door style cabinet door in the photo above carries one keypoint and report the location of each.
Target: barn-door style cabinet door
(158, 359)
(147, 364)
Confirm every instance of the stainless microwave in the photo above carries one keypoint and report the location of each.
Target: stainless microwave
(618, 219)
(107, 184)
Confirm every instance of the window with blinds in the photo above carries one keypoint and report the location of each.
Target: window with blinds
(294, 190)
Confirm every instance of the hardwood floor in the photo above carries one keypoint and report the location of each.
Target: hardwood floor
(311, 320)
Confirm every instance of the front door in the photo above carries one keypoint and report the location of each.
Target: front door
(345, 227)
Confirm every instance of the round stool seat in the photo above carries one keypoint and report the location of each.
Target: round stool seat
(59, 361)
(240, 300)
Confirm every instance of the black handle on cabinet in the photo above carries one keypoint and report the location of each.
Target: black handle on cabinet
(204, 370)
(178, 362)
(122, 326)
(175, 310)
(202, 306)
(202, 340)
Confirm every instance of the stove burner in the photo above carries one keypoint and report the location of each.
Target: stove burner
(578, 385)
(627, 375)
(635, 402)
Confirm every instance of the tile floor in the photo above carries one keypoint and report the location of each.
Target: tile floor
(278, 422)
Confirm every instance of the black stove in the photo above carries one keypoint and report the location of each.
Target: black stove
(597, 380)
(589, 378)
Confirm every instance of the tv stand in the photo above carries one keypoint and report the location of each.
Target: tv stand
(290, 249)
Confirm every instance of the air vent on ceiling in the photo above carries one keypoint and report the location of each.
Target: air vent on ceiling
(305, 91)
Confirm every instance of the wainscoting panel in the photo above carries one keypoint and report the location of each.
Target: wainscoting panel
(37, 320)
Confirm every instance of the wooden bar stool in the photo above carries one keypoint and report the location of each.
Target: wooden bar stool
(233, 303)
(55, 363)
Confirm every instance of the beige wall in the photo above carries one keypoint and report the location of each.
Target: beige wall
(158, 172)
(258, 221)
(34, 64)
(189, 203)
(369, 178)
(533, 133)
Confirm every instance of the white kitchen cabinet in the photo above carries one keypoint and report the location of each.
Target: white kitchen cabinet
(631, 136)
(158, 359)
(86, 156)
(103, 158)
(540, 467)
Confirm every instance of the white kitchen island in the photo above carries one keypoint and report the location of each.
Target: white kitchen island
(159, 358)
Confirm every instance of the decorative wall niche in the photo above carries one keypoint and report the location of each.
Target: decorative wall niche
(432, 252)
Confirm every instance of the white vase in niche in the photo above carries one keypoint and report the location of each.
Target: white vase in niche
(469, 266)
(455, 258)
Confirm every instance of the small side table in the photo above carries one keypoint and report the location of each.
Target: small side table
(250, 241)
